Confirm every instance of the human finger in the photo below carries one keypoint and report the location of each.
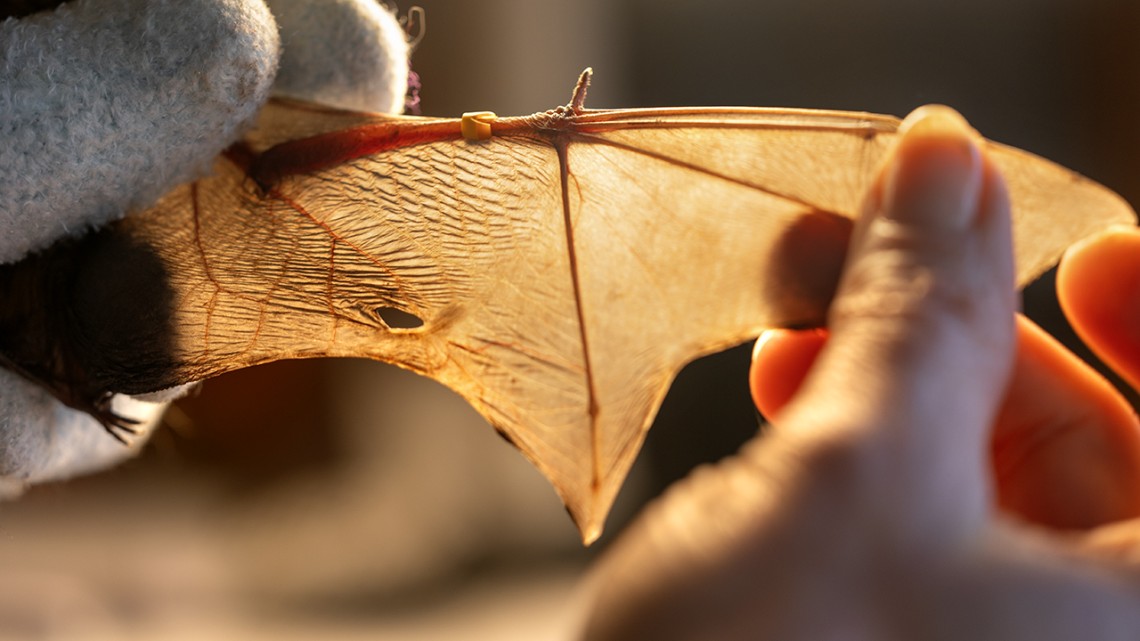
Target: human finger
(1066, 444)
(1098, 286)
(781, 360)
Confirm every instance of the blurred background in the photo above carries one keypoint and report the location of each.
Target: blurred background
(348, 499)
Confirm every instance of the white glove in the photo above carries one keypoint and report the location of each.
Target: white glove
(107, 104)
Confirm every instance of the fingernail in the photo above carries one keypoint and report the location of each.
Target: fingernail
(935, 175)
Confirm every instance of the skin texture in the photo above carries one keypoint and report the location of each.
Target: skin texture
(924, 478)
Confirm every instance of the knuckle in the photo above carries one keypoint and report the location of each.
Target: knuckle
(911, 277)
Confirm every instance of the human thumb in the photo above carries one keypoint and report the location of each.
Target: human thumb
(922, 325)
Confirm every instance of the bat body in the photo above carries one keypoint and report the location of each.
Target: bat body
(556, 270)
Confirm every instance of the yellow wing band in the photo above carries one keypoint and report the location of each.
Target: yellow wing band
(476, 125)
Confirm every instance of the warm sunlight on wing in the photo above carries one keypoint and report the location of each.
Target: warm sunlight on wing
(557, 275)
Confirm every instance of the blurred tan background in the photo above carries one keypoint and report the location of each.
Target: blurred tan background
(348, 499)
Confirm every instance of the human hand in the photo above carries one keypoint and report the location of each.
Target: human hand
(110, 103)
(872, 510)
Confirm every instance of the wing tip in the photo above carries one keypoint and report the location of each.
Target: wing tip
(589, 520)
(590, 533)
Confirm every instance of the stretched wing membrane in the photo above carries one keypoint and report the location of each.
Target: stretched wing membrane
(563, 271)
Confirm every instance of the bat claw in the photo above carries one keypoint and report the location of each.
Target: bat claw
(96, 404)
(121, 428)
